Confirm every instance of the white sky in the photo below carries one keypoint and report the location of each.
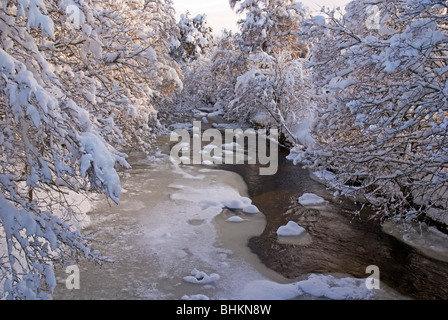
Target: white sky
(221, 16)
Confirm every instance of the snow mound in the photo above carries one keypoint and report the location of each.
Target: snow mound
(235, 219)
(310, 199)
(319, 286)
(291, 229)
(218, 197)
(200, 277)
(330, 287)
(250, 209)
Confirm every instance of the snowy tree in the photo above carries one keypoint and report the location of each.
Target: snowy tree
(382, 124)
(164, 32)
(199, 84)
(77, 79)
(196, 38)
(270, 84)
(271, 26)
(228, 63)
(121, 62)
(275, 92)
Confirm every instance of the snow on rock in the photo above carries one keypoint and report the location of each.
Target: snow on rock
(291, 229)
(318, 286)
(219, 197)
(235, 219)
(251, 209)
(200, 277)
(310, 199)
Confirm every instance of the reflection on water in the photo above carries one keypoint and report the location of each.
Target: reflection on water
(170, 221)
(340, 241)
(166, 227)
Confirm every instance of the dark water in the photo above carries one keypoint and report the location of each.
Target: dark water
(342, 242)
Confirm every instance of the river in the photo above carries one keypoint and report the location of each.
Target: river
(181, 232)
(342, 241)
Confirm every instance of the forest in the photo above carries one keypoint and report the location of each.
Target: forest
(358, 95)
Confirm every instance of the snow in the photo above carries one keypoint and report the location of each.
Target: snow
(428, 240)
(186, 126)
(235, 219)
(302, 132)
(103, 161)
(290, 229)
(250, 209)
(200, 277)
(328, 286)
(37, 20)
(180, 242)
(7, 214)
(269, 290)
(319, 20)
(310, 199)
(7, 63)
(219, 197)
(316, 286)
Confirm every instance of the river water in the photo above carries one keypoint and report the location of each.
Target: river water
(170, 238)
(183, 233)
(343, 241)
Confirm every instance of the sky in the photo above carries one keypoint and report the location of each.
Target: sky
(220, 16)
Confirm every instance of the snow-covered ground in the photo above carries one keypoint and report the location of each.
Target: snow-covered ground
(181, 233)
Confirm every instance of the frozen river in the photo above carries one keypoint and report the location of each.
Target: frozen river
(182, 232)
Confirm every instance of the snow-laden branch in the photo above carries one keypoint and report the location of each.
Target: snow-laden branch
(66, 108)
(381, 127)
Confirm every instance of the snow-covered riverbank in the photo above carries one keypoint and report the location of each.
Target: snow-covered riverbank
(181, 233)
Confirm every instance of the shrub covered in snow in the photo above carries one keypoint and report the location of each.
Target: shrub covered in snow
(265, 83)
(382, 120)
(78, 80)
(195, 38)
